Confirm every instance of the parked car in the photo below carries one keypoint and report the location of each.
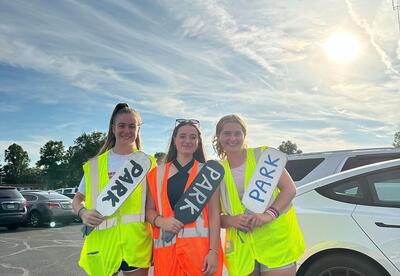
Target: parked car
(13, 207)
(307, 167)
(46, 207)
(351, 222)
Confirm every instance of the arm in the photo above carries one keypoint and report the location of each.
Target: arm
(89, 217)
(167, 224)
(287, 192)
(210, 265)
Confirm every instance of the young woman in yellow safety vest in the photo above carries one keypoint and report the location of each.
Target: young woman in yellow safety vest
(266, 243)
(121, 242)
(195, 250)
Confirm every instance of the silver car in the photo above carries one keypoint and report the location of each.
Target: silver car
(48, 207)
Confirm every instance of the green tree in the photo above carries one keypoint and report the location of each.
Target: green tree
(289, 148)
(396, 142)
(51, 155)
(17, 162)
(85, 147)
(51, 162)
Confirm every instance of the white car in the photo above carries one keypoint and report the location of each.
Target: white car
(351, 222)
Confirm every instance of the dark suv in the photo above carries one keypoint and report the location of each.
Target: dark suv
(12, 207)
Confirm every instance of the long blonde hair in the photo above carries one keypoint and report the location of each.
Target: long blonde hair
(232, 118)
(110, 141)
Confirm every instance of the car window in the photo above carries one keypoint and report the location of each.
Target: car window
(348, 190)
(298, 169)
(9, 193)
(55, 196)
(30, 197)
(362, 160)
(385, 188)
(351, 189)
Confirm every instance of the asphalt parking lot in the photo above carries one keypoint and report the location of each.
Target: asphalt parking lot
(40, 251)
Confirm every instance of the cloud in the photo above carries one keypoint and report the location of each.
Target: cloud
(370, 32)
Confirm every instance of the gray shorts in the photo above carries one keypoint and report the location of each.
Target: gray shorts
(263, 268)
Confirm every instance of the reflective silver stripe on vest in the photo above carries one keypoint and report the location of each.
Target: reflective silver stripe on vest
(132, 218)
(257, 153)
(224, 191)
(107, 223)
(225, 197)
(198, 231)
(94, 180)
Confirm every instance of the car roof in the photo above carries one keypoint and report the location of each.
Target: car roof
(7, 187)
(346, 174)
(346, 152)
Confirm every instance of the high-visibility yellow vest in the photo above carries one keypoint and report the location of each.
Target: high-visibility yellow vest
(275, 244)
(123, 236)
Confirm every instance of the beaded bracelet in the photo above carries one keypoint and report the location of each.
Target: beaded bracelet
(271, 213)
(274, 210)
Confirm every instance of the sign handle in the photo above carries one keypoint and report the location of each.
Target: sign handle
(86, 230)
(167, 236)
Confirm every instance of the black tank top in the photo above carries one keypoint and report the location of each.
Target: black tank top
(176, 183)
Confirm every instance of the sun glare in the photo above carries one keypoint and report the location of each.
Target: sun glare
(341, 48)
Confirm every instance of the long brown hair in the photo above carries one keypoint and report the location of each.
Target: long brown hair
(110, 141)
(199, 154)
(232, 118)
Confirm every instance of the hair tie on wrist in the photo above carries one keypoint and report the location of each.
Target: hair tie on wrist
(214, 250)
(83, 208)
(154, 221)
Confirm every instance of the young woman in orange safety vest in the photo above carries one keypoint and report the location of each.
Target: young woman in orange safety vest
(195, 249)
(266, 243)
(121, 242)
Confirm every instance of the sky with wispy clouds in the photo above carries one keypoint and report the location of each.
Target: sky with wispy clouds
(65, 64)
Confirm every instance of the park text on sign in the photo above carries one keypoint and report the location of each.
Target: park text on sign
(264, 180)
(266, 175)
(119, 189)
(200, 192)
(123, 183)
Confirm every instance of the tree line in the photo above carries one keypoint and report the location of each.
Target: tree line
(58, 167)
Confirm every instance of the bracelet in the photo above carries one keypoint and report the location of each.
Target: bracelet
(272, 214)
(274, 210)
(214, 250)
(83, 208)
(154, 221)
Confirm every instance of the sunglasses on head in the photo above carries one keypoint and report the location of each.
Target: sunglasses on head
(187, 121)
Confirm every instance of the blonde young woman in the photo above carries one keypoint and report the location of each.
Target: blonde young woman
(123, 241)
(195, 249)
(266, 244)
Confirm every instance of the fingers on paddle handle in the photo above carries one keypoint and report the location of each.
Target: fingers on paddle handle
(86, 230)
(167, 236)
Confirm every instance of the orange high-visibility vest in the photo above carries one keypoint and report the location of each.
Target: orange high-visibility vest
(185, 253)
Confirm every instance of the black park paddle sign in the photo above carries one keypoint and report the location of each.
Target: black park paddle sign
(195, 198)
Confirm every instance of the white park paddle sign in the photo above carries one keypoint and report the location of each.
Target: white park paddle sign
(122, 184)
(195, 198)
(264, 180)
